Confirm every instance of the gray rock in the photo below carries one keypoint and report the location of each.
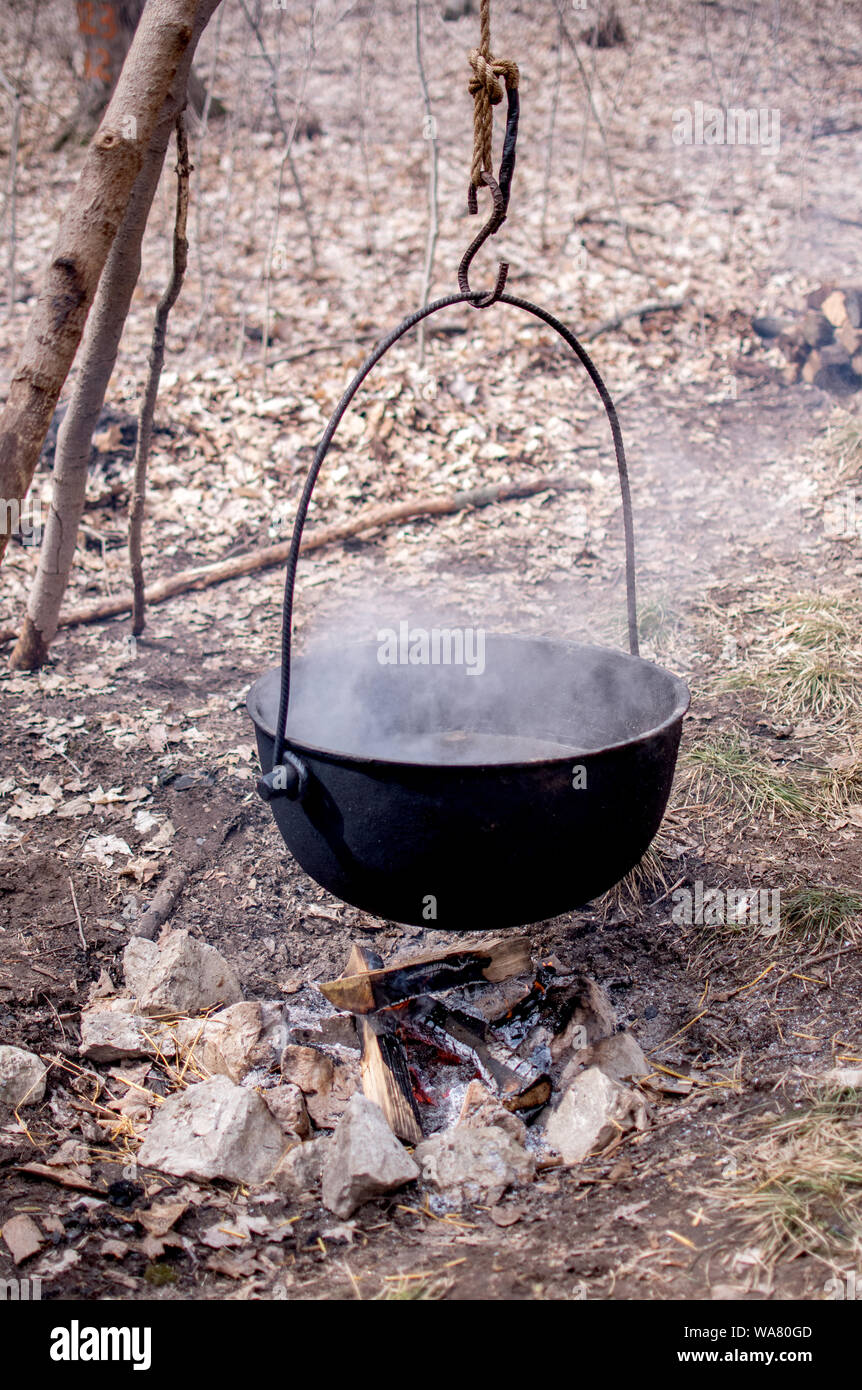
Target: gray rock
(363, 1160)
(114, 1036)
(480, 1109)
(326, 1084)
(335, 1029)
(287, 1105)
(619, 1057)
(22, 1077)
(140, 959)
(474, 1165)
(180, 976)
(273, 1030)
(70, 1152)
(771, 327)
(228, 1043)
(592, 1111)
(300, 1172)
(312, 1071)
(214, 1129)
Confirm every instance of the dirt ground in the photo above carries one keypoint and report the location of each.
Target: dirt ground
(731, 473)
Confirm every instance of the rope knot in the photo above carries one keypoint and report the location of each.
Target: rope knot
(509, 71)
(486, 89)
(485, 79)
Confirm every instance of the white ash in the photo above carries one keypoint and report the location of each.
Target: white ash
(262, 1078)
(439, 1204)
(451, 1105)
(311, 1020)
(535, 1140)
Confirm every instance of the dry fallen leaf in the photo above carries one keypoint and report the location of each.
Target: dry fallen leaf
(154, 1246)
(161, 1216)
(103, 848)
(506, 1216)
(28, 807)
(66, 1177)
(116, 1249)
(239, 1266)
(230, 1232)
(157, 738)
(23, 1238)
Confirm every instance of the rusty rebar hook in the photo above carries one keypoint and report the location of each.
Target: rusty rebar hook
(496, 220)
(500, 192)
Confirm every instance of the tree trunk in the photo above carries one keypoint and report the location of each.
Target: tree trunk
(106, 29)
(87, 231)
(98, 358)
(75, 435)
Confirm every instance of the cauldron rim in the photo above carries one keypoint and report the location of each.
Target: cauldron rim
(676, 684)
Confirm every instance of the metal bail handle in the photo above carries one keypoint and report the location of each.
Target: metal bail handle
(294, 778)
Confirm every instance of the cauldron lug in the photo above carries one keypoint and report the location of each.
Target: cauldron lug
(289, 779)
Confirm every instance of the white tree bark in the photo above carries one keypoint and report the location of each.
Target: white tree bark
(87, 230)
(101, 342)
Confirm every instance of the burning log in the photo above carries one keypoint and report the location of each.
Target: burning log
(498, 1003)
(506, 1021)
(383, 1063)
(520, 1085)
(556, 1000)
(367, 991)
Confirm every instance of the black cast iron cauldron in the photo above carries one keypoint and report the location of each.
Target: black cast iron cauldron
(427, 796)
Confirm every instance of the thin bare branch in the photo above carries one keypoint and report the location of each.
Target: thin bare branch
(567, 35)
(151, 390)
(288, 131)
(429, 130)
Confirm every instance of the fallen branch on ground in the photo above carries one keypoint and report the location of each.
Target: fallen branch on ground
(205, 576)
(173, 885)
(641, 311)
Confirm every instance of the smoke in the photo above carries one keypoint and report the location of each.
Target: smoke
(535, 699)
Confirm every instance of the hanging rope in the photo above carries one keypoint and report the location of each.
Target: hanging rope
(487, 90)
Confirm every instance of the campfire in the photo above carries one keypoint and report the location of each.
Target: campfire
(443, 1011)
(466, 1068)
(477, 1037)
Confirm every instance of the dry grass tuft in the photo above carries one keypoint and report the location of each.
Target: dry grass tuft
(821, 916)
(722, 773)
(658, 621)
(414, 1288)
(810, 659)
(845, 446)
(843, 785)
(799, 1189)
